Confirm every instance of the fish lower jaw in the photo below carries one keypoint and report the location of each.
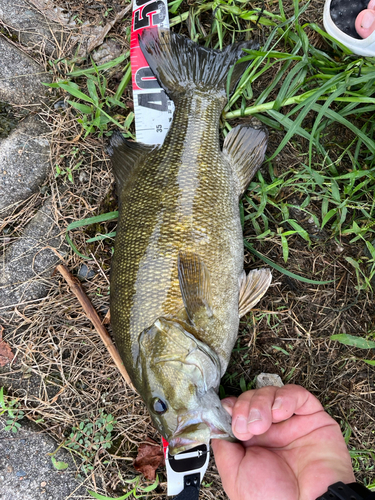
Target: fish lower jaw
(184, 442)
(180, 444)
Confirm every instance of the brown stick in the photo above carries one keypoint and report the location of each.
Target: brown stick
(92, 315)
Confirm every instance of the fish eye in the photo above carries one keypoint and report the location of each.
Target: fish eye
(159, 406)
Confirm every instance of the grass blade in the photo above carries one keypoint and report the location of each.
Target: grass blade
(283, 270)
(353, 341)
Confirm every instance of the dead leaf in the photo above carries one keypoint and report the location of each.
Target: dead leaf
(6, 354)
(150, 457)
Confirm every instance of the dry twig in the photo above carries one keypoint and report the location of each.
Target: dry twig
(92, 315)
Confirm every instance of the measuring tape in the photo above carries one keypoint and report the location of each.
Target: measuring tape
(185, 470)
(152, 107)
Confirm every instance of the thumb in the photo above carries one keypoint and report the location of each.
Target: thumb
(365, 23)
(228, 456)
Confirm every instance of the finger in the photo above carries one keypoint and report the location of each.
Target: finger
(365, 23)
(286, 432)
(255, 411)
(293, 399)
(252, 414)
(371, 5)
(228, 456)
(228, 404)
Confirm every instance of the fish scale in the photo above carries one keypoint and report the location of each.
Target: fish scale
(178, 178)
(177, 280)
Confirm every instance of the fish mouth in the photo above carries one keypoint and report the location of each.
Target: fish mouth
(196, 434)
(196, 427)
(189, 437)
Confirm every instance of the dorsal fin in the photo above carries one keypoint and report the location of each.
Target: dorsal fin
(182, 66)
(252, 288)
(244, 147)
(125, 155)
(195, 288)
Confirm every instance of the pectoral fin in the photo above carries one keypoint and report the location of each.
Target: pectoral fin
(124, 156)
(195, 288)
(252, 288)
(244, 148)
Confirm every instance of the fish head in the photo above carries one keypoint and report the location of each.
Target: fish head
(180, 377)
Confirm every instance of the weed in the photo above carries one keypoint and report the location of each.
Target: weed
(136, 487)
(358, 342)
(362, 460)
(96, 107)
(11, 408)
(74, 164)
(90, 436)
(347, 209)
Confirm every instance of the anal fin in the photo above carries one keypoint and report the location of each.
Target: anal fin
(244, 148)
(252, 288)
(125, 155)
(195, 288)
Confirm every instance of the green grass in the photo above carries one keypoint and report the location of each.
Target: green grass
(9, 407)
(94, 101)
(137, 491)
(358, 342)
(362, 460)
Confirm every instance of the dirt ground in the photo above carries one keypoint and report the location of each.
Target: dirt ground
(62, 372)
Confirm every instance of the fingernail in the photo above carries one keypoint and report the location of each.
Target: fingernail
(227, 404)
(254, 416)
(368, 19)
(277, 404)
(240, 425)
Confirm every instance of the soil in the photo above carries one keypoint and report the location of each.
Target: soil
(62, 372)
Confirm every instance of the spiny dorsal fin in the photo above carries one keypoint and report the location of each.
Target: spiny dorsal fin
(195, 287)
(244, 148)
(181, 65)
(252, 288)
(124, 156)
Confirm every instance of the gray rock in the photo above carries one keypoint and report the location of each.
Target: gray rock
(267, 379)
(28, 263)
(20, 77)
(24, 162)
(26, 470)
(31, 27)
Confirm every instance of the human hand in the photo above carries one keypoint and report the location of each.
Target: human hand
(291, 448)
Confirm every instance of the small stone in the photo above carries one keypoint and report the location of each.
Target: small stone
(43, 484)
(85, 273)
(268, 379)
(108, 51)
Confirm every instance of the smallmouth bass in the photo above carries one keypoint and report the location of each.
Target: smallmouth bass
(178, 287)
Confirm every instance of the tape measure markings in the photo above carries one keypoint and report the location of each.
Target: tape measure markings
(152, 108)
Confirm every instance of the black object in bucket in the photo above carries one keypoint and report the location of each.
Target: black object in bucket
(344, 13)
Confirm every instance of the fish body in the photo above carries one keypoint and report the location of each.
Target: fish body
(177, 283)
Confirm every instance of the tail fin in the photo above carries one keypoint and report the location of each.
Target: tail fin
(181, 65)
